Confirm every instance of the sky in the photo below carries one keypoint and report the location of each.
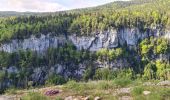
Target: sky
(48, 5)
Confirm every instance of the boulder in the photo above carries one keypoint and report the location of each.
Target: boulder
(69, 98)
(97, 98)
(148, 84)
(146, 92)
(164, 83)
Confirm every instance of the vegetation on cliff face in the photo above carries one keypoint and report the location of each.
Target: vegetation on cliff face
(149, 61)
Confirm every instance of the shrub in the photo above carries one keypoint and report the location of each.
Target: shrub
(137, 90)
(104, 74)
(150, 71)
(88, 74)
(2, 75)
(125, 73)
(56, 80)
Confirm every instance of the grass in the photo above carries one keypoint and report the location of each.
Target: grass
(12, 90)
(34, 96)
(91, 88)
(137, 90)
(92, 85)
(103, 89)
(157, 93)
(122, 82)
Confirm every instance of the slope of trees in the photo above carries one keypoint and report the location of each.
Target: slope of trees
(147, 60)
(142, 14)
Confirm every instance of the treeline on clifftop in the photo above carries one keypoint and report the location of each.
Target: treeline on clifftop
(142, 14)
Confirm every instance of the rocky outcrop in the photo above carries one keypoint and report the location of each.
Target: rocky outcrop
(167, 35)
(106, 39)
(33, 43)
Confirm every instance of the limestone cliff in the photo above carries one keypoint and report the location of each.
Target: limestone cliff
(106, 39)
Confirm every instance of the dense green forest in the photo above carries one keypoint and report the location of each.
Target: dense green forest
(137, 13)
(141, 14)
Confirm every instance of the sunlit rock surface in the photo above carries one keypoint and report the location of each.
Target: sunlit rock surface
(107, 39)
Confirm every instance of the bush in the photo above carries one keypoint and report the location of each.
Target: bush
(137, 90)
(104, 74)
(55, 80)
(2, 75)
(34, 96)
(88, 74)
(125, 73)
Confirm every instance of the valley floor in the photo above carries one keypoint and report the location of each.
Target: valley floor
(95, 90)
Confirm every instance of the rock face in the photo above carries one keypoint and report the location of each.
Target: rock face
(33, 43)
(167, 35)
(107, 39)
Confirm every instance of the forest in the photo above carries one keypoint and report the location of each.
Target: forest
(141, 14)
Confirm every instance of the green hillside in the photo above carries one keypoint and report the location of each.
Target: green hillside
(147, 60)
(137, 13)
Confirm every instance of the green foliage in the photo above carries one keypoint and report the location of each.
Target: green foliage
(11, 90)
(90, 85)
(125, 73)
(88, 74)
(58, 98)
(122, 82)
(75, 86)
(150, 71)
(108, 74)
(162, 70)
(137, 90)
(109, 55)
(141, 14)
(105, 74)
(146, 47)
(157, 93)
(137, 13)
(2, 76)
(55, 80)
(154, 46)
(162, 46)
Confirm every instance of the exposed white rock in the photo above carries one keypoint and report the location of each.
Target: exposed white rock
(81, 42)
(148, 84)
(167, 35)
(146, 92)
(124, 91)
(119, 63)
(69, 98)
(33, 43)
(164, 83)
(97, 98)
(130, 36)
(107, 39)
